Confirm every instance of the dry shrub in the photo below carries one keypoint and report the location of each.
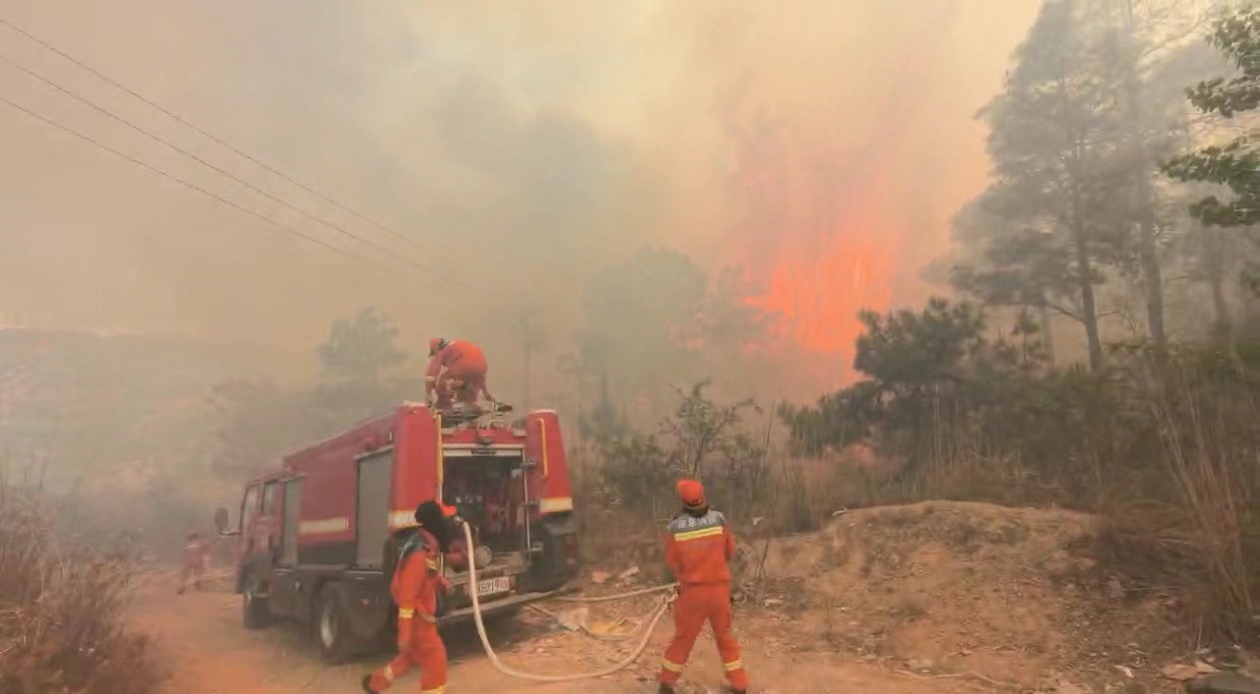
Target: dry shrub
(1201, 540)
(62, 621)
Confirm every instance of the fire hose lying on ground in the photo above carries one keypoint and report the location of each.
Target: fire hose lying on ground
(648, 625)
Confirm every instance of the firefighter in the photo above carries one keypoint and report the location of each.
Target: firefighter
(457, 369)
(415, 587)
(698, 546)
(196, 560)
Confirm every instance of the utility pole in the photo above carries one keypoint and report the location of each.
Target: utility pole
(529, 342)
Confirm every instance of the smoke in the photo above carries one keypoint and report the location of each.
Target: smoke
(823, 144)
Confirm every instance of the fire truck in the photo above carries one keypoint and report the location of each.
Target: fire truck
(318, 530)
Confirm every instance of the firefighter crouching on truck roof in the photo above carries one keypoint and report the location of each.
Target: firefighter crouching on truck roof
(698, 546)
(456, 369)
(417, 581)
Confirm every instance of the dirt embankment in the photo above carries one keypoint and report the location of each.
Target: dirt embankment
(936, 597)
(1010, 595)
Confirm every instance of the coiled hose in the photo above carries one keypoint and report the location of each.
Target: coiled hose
(655, 617)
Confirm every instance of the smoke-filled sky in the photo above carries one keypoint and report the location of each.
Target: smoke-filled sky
(517, 145)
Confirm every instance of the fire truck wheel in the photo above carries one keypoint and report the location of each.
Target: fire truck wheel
(332, 631)
(255, 612)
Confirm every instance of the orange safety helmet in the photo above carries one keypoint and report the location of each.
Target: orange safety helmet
(691, 492)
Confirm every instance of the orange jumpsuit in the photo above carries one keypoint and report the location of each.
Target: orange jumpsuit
(196, 559)
(460, 361)
(697, 551)
(415, 587)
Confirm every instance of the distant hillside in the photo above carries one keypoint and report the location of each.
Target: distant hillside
(77, 403)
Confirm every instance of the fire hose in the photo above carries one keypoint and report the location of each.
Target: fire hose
(654, 618)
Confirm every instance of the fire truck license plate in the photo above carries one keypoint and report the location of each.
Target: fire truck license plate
(493, 586)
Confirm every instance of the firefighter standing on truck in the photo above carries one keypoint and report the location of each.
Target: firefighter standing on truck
(698, 546)
(456, 369)
(415, 586)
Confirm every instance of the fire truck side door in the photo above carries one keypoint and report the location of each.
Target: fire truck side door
(291, 514)
(249, 516)
(284, 578)
(269, 520)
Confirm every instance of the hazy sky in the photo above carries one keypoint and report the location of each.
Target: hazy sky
(518, 144)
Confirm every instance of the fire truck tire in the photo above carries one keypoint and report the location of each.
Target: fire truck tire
(332, 628)
(500, 618)
(255, 612)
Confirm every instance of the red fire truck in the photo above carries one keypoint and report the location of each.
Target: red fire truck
(319, 529)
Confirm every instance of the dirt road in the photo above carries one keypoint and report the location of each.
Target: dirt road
(210, 653)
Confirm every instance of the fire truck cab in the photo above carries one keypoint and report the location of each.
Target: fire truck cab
(318, 530)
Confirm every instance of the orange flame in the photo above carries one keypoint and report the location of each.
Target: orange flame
(826, 226)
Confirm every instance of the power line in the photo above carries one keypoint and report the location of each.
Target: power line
(85, 66)
(199, 189)
(221, 142)
(194, 157)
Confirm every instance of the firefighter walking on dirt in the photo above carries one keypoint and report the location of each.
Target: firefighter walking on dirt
(457, 369)
(415, 586)
(196, 561)
(698, 546)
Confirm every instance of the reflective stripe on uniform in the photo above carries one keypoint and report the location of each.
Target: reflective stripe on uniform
(406, 614)
(438, 690)
(698, 534)
(733, 665)
(388, 673)
(665, 664)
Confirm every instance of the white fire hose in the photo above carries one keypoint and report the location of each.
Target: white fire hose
(655, 616)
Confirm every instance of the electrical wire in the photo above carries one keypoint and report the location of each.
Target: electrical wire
(214, 196)
(428, 270)
(201, 131)
(227, 145)
(234, 177)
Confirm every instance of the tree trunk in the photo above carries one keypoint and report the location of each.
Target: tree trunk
(1152, 278)
(1047, 334)
(1148, 247)
(1089, 304)
(1212, 263)
(1224, 324)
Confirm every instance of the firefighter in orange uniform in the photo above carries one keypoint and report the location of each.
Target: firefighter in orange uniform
(698, 546)
(417, 581)
(196, 561)
(458, 366)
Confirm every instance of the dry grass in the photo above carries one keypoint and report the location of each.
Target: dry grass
(62, 626)
(1202, 542)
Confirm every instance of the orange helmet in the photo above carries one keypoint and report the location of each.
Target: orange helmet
(691, 493)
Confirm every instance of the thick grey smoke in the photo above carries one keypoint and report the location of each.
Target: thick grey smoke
(519, 146)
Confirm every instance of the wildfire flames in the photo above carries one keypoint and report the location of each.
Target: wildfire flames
(819, 247)
(825, 218)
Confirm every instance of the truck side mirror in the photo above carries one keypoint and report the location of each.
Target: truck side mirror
(221, 520)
